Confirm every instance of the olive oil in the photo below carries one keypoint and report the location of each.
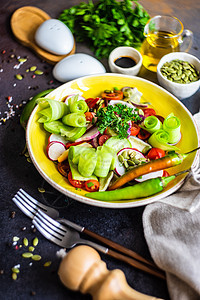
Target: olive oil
(156, 45)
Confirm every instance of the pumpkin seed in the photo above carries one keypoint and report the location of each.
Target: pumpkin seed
(27, 254)
(121, 159)
(35, 242)
(41, 190)
(25, 242)
(38, 72)
(31, 249)
(14, 276)
(22, 60)
(33, 68)
(47, 264)
(19, 76)
(15, 238)
(36, 257)
(180, 71)
(15, 270)
(130, 162)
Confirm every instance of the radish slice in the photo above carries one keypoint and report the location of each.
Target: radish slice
(54, 150)
(89, 135)
(120, 169)
(150, 176)
(69, 96)
(57, 138)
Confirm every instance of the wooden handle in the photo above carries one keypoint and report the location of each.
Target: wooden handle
(119, 248)
(83, 270)
(156, 272)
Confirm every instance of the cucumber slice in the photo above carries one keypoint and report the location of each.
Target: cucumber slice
(76, 175)
(117, 144)
(53, 127)
(139, 144)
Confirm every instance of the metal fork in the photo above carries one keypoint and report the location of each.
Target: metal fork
(68, 238)
(30, 207)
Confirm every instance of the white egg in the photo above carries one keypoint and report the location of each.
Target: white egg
(77, 65)
(55, 37)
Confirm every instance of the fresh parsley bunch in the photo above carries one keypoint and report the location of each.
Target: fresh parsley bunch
(117, 118)
(106, 24)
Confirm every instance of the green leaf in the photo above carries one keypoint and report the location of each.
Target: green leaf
(106, 24)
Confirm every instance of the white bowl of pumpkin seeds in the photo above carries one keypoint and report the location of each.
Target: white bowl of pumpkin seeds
(179, 73)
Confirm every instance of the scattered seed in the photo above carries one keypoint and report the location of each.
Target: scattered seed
(35, 242)
(27, 254)
(26, 154)
(1, 272)
(36, 257)
(14, 276)
(31, 249)
(47, 264)
(23, 228)
(25, 242)
(13, 213)
(22, 60)
(27, 70)
(33, 68)
(15, 238)
(33, 293)
(41, 190)
(29, 160)
(15, 270)
(38, 72)
(19, 76)
(33, 76)
(16, 247)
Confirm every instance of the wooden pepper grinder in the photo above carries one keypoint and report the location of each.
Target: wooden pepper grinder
(83, 270)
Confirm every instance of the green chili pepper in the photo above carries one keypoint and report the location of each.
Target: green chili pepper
(140, 190)
(30, 106)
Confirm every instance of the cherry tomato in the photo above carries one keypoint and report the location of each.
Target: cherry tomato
(155, 153)
(116, 95)
(135, 129)
(89, 116)
(103, 138)
(72, 144)
(143, 134)
(149, 112)
(165, 173)
(91, 102)
(75, 183)
(92, 185)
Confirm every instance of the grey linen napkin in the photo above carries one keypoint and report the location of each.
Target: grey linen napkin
(172, 232)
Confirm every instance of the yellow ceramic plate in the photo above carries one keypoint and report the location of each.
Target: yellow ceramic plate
(92, 86)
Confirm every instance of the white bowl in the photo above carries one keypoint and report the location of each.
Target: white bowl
(125, 52)
(180, 90)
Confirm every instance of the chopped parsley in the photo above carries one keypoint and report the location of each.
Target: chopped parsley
(117, 118)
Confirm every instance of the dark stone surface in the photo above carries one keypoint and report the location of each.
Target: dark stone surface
(121, 225)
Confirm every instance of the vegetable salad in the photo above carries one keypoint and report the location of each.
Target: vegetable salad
(97, 142)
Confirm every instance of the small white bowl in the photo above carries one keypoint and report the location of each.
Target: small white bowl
(180, 90)
(125, 52)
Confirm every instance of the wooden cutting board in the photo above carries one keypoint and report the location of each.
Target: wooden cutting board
(24, 23)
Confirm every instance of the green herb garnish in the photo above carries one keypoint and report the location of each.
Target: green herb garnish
(106, 24)
(117, 118)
